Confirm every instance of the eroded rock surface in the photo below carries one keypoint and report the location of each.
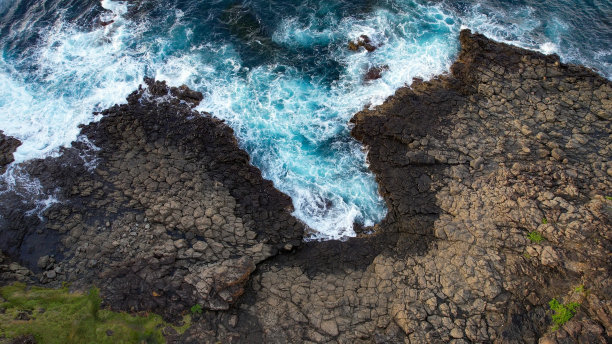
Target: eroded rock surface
(160, 208)
(511, 142)
(511, 145)
(8, 145)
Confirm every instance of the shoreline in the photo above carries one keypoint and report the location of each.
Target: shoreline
(510, 142)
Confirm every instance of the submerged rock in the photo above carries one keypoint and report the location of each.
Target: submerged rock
(363, 41)
(375, 73)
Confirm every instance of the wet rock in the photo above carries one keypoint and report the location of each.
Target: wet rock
(8, 145)
(363, 41)
(172, 215)
(186, 94)
(375, 73)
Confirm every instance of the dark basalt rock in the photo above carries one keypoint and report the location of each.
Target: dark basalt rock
(469, 163)
(25, 339)
(375, 73)
(171, 215)
(363, 41)
(8, 146)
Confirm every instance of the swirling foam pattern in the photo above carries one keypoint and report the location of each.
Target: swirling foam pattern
(279, 72)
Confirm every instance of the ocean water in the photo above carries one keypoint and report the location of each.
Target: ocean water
(279, 72)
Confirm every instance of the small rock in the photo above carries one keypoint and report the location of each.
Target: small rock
(557, 154)
(362, 41)
(25, 339)
(233, 321)
(456, 333)
(200, 246)
(43, 262)
(477, 163)
(23, 316)
(181, 243)
(548, 256)
(330, 327)
(375, 73)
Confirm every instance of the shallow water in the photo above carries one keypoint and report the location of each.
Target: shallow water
(279, 72)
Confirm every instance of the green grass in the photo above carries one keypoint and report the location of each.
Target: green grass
(535, 237)
(196, 309)
(544, 221)
(580, 289)
(609, 198)
(59, 316)
(563, 313)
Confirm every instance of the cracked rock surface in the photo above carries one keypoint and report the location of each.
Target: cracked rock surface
(497, 177)
(159, 208)
(8, 145)
(509, 143)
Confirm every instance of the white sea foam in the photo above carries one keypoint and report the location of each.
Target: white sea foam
(293, 125)
(518, 27)
(296, 128)
(76, 72)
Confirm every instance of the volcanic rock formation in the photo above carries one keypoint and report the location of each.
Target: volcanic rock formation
(510, 143)
(497, 176)
(8, 145)
(159, 208)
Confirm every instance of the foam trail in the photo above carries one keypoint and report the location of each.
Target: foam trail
(536, 29)
(75, 72)
(296, 128)
(289, 108)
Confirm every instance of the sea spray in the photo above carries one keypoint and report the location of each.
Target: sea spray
(288, 91)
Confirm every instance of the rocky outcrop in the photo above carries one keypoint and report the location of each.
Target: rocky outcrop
(8, 145)
(497, 177)
(510, 143)
(12, 271)
(363, 41)
(159, 208)
(375, 73)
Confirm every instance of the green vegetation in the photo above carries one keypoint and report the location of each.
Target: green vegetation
(535, 237)
(609, 198)
(527, 255)
(580, 289)
(196, 309)
(59, 316)
(544, 221)
(563, 312)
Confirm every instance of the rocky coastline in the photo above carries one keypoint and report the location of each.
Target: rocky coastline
(497, 177)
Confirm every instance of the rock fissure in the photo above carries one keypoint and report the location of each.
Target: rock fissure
(470, 163)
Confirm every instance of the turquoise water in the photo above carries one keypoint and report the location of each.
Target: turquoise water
(279, 73)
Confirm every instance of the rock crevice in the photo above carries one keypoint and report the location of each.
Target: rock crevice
(497, 177)
(165, 213)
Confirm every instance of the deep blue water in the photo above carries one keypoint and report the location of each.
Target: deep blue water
(279, 72)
